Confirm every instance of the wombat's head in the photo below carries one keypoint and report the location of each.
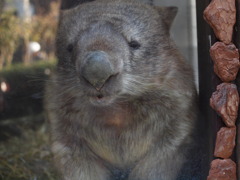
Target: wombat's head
(111, 50)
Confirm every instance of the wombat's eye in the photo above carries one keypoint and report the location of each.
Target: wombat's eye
(70, 48)
(134, 45)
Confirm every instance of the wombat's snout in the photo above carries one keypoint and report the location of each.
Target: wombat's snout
(97, 69)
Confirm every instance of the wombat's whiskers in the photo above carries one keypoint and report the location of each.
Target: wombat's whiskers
(137, 85)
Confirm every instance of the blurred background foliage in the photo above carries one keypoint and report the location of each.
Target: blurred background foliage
(9, 37)
(27, 39)
(18, 30)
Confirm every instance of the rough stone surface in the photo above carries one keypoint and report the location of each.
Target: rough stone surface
(222, 169)
(221, 16)
(226, 61)
(225, 101)
(225, 142)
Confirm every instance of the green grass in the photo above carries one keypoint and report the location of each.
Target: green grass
(28, 156)
(31, 68)
(35, 71)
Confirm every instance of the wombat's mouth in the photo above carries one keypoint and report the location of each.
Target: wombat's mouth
(100, 96)
(101, 100)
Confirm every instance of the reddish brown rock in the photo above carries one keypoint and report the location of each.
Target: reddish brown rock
(225, 142)
(222, 169)
(226, 61)
(225, 101)
(221, 16)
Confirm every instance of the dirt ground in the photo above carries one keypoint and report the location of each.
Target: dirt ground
(24, 149)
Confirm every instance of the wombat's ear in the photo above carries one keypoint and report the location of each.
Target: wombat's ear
(68, 4)
(168, 14)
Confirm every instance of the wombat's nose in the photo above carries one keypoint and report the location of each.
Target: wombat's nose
(97, 69)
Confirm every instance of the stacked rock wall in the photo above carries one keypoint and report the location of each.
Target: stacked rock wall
(221, 16)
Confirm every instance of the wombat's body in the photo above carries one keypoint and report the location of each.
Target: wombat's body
(131, 118)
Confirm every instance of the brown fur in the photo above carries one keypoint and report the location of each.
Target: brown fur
(141, 127)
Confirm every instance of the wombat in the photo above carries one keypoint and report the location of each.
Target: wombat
(122, 102)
